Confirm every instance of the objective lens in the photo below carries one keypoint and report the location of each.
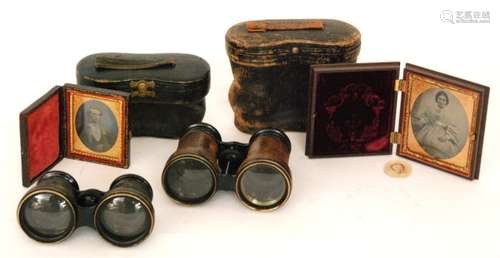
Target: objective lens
(47, 217)
(123, 219)
(189, 180)
(263, 185)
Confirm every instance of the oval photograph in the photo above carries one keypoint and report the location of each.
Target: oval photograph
(96, 126)
(439, 123)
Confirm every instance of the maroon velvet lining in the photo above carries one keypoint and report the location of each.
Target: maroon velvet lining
(354, 113)
(43, 136)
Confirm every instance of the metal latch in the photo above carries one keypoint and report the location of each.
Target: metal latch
(143, 88)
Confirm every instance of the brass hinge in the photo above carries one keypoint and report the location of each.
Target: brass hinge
(395, 138)
(472, 137)
(400, 85)
(143, 88)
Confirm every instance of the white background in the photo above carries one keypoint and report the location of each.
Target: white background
(343, 207)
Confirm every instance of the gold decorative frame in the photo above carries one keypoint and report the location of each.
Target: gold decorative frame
(471, 96)
(118, 154)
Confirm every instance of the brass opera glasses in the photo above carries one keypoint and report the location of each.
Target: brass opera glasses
(55, 207)
(258, 171)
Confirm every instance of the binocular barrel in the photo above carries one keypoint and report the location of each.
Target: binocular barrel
(47, 213)
(263, 180)
(125, 215)
(55, 207)
(190, 175)
(202, 163)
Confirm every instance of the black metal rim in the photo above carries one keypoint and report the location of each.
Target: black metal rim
(273, 132)
(140, 179)
(57, 173)
(208, 128)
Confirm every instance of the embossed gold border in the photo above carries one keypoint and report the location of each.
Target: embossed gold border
(117, 155)
(413, 152)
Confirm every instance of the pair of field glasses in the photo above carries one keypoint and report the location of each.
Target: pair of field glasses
(55, 207)
(202, 164)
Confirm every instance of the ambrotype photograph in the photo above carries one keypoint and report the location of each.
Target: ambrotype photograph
(442, 121)
(439, 123)
(96, 126)
(352, 109)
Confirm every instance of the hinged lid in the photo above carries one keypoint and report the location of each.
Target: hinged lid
(42, 135)
(279, 42)
(352, 109)
(164, 77)
(442, 120)
(49, 128)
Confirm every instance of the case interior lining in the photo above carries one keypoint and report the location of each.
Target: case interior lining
(355, 112)
(43, 129)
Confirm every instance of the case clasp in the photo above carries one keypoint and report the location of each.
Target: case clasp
(143, 88)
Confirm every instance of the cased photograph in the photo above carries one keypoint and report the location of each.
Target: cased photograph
(96, 126)
(442, 121)
(439, 123)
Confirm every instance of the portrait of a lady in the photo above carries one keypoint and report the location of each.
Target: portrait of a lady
(439, 123)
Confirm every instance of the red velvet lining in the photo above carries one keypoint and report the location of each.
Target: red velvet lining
(354, 112)
(43, 136)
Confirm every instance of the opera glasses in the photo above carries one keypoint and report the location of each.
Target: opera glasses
(55, 207)
(202, 164)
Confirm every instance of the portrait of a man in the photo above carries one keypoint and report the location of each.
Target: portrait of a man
(439, 123)
(96, 126)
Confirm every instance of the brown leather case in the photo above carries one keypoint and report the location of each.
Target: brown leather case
(270, 61)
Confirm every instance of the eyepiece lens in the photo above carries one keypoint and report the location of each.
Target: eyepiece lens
(263, 185)
(189, 180)
(123, 219)
(48, 217)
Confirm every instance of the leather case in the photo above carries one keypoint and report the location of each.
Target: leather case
(352, 112)
(77, 122)
(270, 62)
(167, 90)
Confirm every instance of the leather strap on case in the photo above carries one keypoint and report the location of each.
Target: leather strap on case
(263, 26)
(120, 61)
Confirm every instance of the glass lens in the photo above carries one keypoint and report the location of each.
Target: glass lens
(263, 185)
(47, 216)
(123, 219)
(189, 180)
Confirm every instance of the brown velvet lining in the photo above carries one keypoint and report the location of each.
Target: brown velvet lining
(43, 125)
